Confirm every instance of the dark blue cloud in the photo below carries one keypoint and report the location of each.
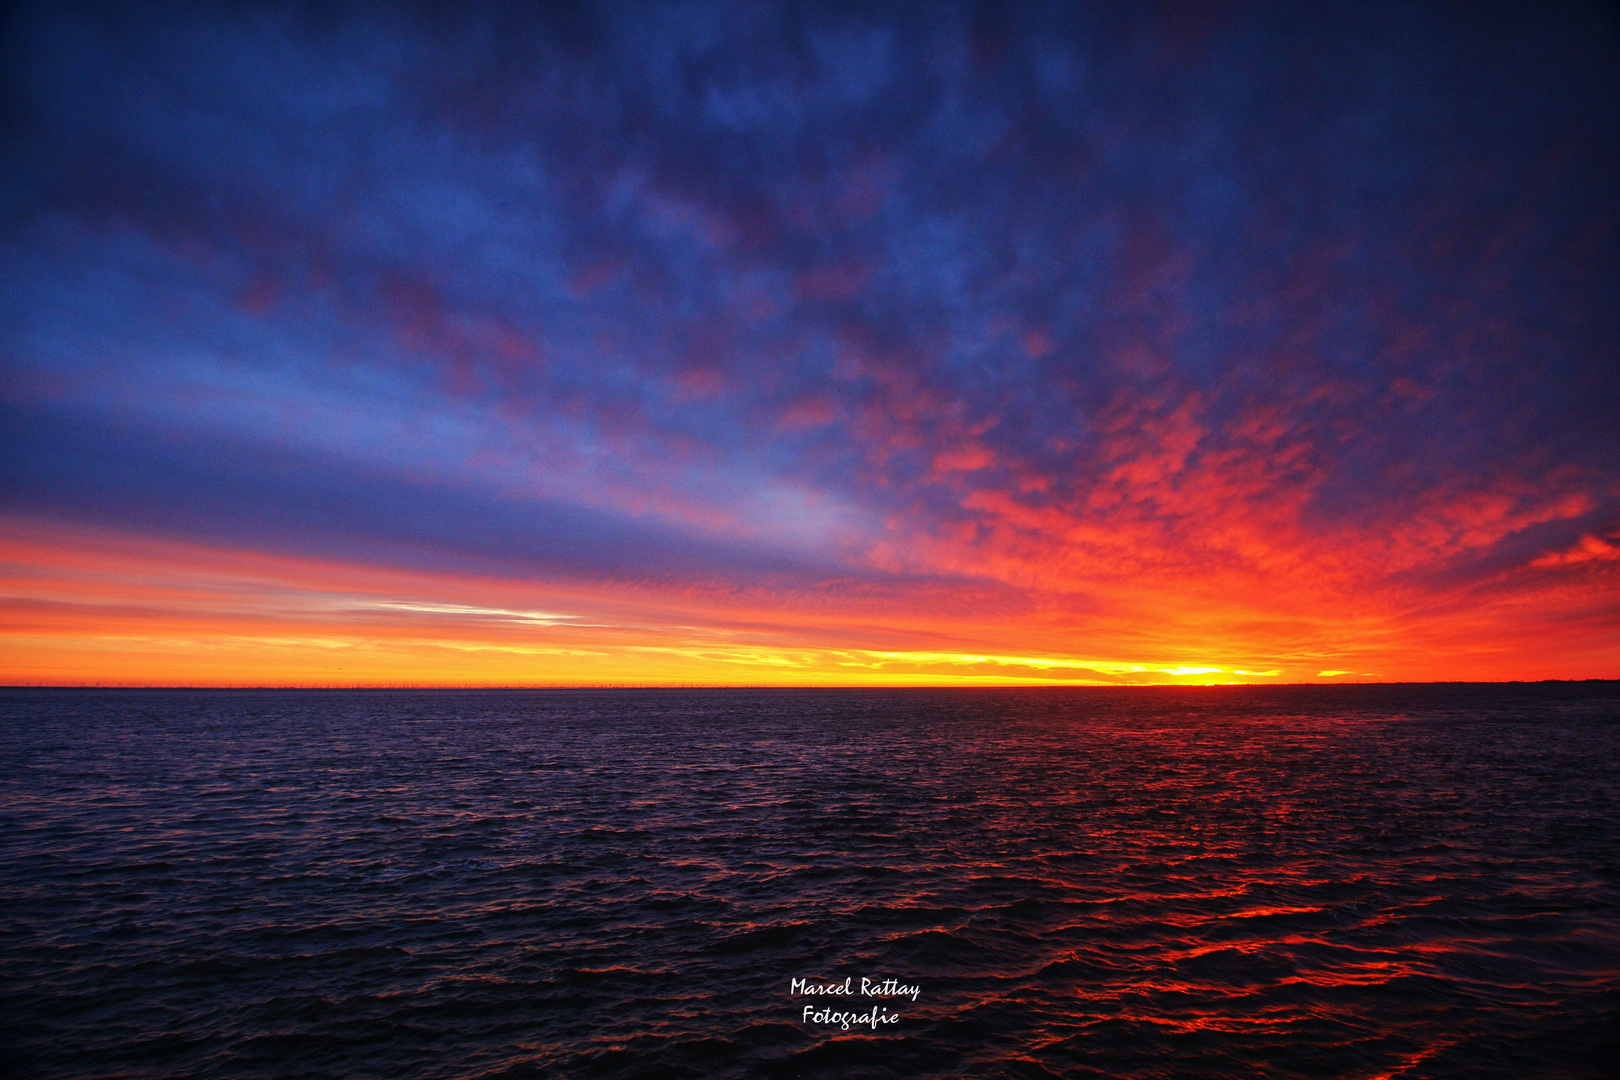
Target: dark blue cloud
(92, 470)
(796, 280)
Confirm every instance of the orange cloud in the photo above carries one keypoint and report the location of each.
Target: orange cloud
(82, 606)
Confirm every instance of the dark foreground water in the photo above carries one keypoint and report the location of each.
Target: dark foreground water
(1348, 881)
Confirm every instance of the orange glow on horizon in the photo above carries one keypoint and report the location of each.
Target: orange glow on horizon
(82, 607)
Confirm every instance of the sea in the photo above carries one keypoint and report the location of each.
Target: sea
(1348, 881)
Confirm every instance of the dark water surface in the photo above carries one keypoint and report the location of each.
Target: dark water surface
(1288, 882)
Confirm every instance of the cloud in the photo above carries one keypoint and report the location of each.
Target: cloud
(1255, 345)
(1589, 549)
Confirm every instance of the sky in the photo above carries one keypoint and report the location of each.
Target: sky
(753, 343)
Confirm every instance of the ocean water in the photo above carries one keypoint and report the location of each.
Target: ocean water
(1282, 882)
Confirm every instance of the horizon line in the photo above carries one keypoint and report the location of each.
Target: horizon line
(780, 686)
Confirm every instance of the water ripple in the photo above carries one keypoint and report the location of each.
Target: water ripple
(1347, 881)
